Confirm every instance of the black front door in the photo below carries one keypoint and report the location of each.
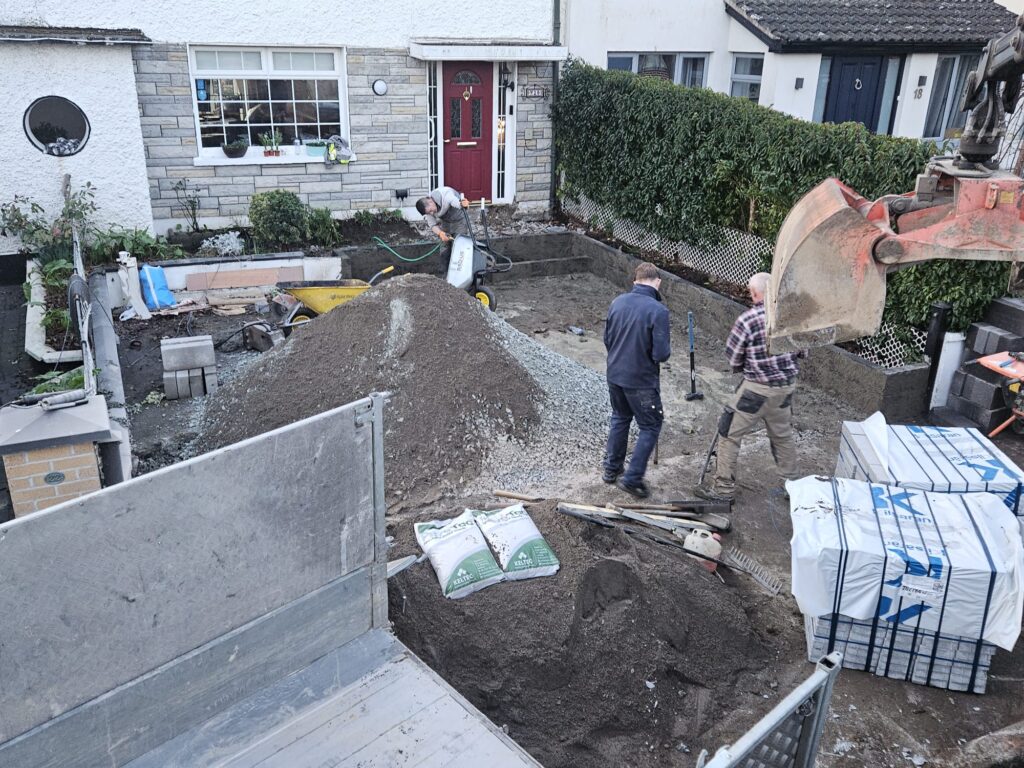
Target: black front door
(855, 90)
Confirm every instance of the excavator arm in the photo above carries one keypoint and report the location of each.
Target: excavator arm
(835, 247)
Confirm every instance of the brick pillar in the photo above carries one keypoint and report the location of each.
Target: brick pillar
(41, 478)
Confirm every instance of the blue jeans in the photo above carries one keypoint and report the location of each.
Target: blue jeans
(644, 405)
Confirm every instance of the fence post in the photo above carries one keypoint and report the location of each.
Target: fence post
(938, 323)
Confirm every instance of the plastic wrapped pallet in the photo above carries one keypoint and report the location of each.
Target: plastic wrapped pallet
(519, 545)
(940, 459)
(459, 554)
(950, 564)
(903, 653)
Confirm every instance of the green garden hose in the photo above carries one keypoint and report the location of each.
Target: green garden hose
(381, 244)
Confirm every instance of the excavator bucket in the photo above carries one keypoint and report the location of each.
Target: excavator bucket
(826, 286)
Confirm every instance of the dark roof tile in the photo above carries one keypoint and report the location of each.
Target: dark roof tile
(876, 22)
(72, 34)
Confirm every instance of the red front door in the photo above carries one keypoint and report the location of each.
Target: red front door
(467, 127)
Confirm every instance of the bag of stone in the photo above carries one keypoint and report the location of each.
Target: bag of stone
(457, 550)
(520, 547)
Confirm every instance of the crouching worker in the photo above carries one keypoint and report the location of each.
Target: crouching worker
(442, 210)
(637, 339)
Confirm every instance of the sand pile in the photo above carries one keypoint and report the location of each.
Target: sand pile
(629, 656)
(457, 390)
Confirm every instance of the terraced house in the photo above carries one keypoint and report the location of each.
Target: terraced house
(136, 98)
(897, 67)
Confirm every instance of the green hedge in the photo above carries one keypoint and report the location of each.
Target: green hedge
(685, 162)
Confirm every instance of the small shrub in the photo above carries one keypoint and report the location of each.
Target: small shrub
(188, 200)
(59, 381)
(225, 244)
(48, 240)
(372, 219)
(55, 274)
(107, 243)
(278, 219)
(322, 229)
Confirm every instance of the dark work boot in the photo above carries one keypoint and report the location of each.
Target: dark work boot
(640, 490)
(610, 476)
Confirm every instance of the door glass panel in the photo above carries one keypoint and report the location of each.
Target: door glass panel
(477, 116)
(892, 74)
(958, 119)
(940, 96)
(455, 117)
(466, 77)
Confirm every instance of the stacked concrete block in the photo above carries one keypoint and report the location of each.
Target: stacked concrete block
(190, 367)
(977, 392)
(902, 652)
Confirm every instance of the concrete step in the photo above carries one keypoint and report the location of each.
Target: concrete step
(945, 416)
(1007, 313)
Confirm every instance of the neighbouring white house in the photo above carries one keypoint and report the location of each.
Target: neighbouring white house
(897, 66)
(135, 97)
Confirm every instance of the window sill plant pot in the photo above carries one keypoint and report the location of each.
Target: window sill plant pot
(316, 148)
(235, 149)
(271, 152)
(271, 141)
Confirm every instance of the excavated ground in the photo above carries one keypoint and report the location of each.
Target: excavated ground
(630, 655)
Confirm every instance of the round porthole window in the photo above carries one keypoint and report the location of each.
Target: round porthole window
(56, 126)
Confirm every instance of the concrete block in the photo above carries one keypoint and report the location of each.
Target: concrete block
(170, 385)
(181, 379)
(195, 382)
(187, 352)
(986, 419)
(983, 393)
(1007, 313)
(987, 339)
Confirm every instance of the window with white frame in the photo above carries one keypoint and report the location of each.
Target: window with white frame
(746, 76)
(944, 119)
(689, 69)
(245, 92)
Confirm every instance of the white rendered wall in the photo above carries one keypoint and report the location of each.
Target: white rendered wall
(779, 89)
(377, 24)
(100, 80)
(912, 107)
(595, 27)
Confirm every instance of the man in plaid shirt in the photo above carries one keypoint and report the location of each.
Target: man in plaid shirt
(765, 394)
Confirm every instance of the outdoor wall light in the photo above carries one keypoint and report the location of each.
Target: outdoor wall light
(505, 77)
(799, 83)
(380, 87)
(922, 81)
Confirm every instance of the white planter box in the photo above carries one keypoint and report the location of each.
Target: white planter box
(35, 333)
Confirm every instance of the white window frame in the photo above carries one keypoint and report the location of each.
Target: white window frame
(951, 95)
(735, 78)
(216, 156)
(677, 68)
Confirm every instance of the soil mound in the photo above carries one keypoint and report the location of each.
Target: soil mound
(629, 656)
(456, 389)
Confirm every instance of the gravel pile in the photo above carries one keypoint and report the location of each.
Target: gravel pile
(457, 391)
(573, 423)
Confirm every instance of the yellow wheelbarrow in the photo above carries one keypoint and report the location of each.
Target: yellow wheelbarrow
(316, 297)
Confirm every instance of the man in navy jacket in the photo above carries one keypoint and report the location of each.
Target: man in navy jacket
(637, 338)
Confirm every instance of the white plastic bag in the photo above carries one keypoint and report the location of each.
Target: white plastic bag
(520, 547)
(459, 554)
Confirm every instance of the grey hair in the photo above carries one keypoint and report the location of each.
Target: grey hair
(759, 282)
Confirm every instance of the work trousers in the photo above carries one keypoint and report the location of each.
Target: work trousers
(750, 405)
(644, 406)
